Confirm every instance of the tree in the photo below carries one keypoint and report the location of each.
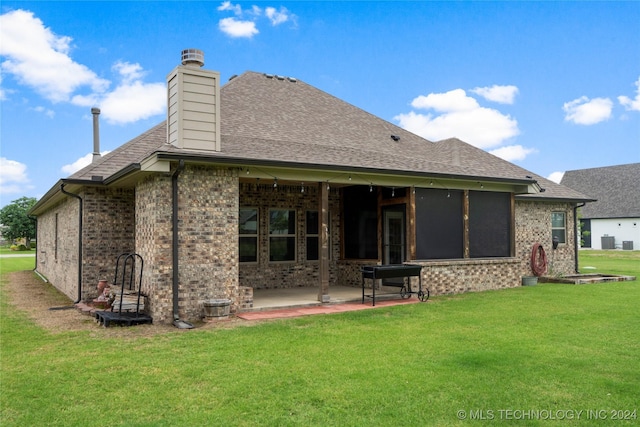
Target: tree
(16, 223)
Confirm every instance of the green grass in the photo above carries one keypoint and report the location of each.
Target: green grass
(611, 262)
(536, 348)
(7, 265)
(6, 250)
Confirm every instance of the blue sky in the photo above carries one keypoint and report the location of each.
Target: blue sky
(550, 86)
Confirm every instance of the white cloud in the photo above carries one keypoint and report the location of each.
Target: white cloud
(555, 177)
(585, 111)
(46, 111)
(277, 17)
(82, 162)
(255, 11)
(132, 99)
(135, 101)
(631, 104)
(512, 153)
(40, 59)
(3, 93)
(235, 8)
(235, 28)
(13, 177)
(496, 93)
(129, 72)
(454, 100)
(461, 117)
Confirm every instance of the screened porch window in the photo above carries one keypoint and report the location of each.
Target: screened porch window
(489, 224)
(360, 222)
(282, 235)
(440, 224)
(248, 229)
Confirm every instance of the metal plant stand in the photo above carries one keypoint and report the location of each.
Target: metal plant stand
(122, 313)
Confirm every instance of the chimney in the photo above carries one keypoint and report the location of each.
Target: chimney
(96, 134)
(193, 109)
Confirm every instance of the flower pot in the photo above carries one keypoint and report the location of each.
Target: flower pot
(529, 280)
(217, 307)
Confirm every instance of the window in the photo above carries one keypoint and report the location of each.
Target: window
(558, 226)
(282, 235)
(248, 229)
(312, 235)
(489, 224)
(360, 222)
(439, 224)
(313, 241)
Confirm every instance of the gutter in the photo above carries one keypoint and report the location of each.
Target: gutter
(576, 239)
(180, 324)
(79, 241)
(235, 161)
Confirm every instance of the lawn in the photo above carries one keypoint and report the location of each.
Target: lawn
(535, 355)
(6, 250)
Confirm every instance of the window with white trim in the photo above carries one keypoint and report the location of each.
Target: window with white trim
(248, 230)
(282, 235)
(559, 226)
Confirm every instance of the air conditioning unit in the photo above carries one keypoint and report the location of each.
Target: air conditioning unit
(627, 245)
(608, 242)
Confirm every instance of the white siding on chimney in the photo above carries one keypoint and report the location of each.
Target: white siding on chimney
(193, 109)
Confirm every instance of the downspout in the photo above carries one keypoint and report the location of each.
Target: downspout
(35, 269)
(576, 239)
(79, 241)
(180, 324)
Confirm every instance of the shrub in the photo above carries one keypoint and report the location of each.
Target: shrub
(19, 248)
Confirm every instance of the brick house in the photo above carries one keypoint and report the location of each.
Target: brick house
(268, 182)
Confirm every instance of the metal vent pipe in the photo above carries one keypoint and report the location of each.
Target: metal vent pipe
(96, 134)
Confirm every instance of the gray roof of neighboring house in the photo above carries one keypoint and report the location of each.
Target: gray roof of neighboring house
(290, 122)
(616, 188)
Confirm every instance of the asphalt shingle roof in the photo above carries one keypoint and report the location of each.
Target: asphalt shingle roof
(616, 188)
(271, 119)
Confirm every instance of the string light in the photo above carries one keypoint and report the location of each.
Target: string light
(371, 188)
(275, 183)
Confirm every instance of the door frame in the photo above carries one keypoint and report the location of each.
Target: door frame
(394, 212)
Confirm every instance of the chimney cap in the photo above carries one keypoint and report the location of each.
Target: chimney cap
(95, 110)
(193, 57)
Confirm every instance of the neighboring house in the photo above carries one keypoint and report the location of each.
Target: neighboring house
(613, 221)
(269, 182)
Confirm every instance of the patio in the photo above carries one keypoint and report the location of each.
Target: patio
(270, 299)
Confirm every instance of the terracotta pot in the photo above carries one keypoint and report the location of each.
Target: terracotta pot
(101, 285)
